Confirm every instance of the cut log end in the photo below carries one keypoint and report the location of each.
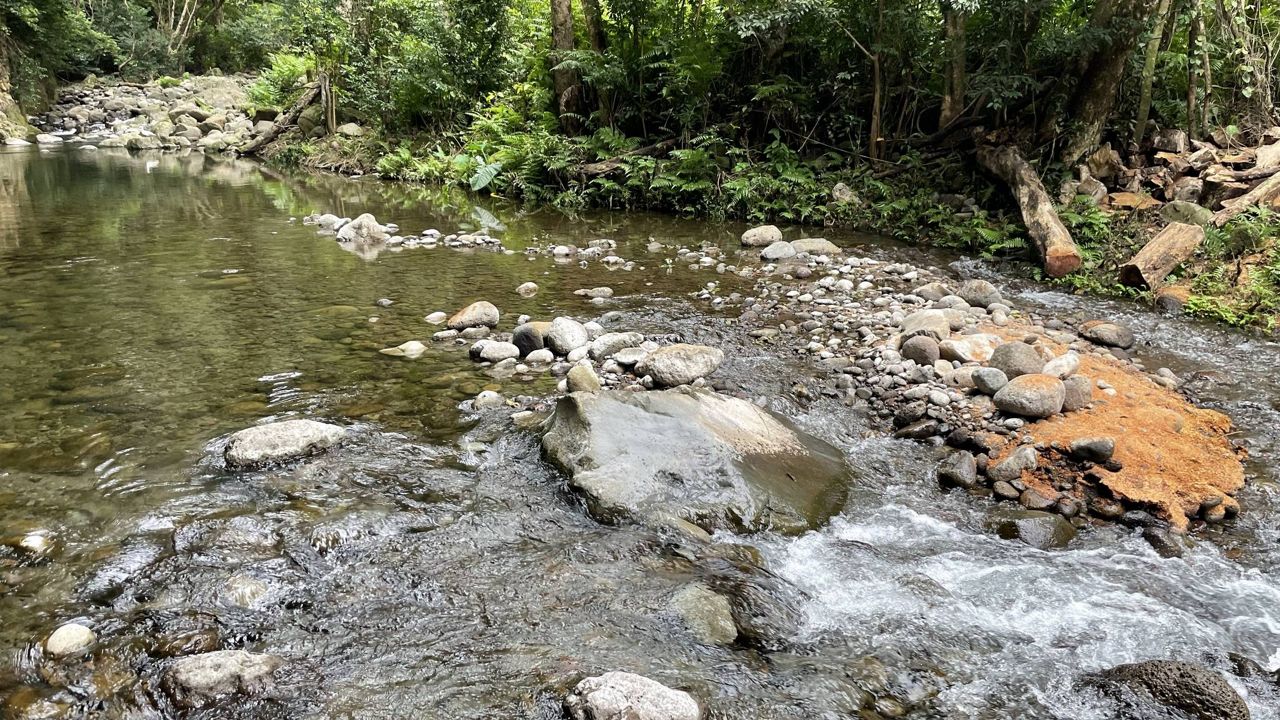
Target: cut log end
(1053, 240)
(1162, 255)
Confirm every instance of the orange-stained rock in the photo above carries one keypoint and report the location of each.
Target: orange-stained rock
(1174, 456)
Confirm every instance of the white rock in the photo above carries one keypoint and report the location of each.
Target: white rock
(626, 696)
(412, 349)
(70, 639)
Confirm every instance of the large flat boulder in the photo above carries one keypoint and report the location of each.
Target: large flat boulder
(197, 679)
(716, 461)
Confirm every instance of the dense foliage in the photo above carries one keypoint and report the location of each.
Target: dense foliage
(750, 109)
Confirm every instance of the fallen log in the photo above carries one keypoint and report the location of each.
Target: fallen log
(1166, 251)
(1265, 192)
(1257, 173)
(283, 124)
(605, 167)
(1057, 249)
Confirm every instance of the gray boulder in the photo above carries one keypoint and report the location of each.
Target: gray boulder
(933, 323)
(959, 469)
(762, 236)
(715, 461)
(979, 293)
(530, 336)
(197, 679)
(1093, 449)
(364, 230)
(1032, 396)
(1016, 358)
(1011, 468)
(778, 251)
(626, 696)
(989, 380)
(279, 442)
(707, 614)
(566, 335)
(610, 343)
(922, 349)
(582, 378)
(477, 314)
(498, 351)
(1079, 393)
(1038, 529)
(680, 364)
(1181, 211)
(816, 246)
(1195, 691)
(1107, 333)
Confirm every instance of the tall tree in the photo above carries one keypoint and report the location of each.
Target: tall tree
(1149, 70)
(955, 85)
(1123, 21)
(568, 85)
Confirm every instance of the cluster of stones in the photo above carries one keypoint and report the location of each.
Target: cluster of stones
(585, 354)
(366, 230)
(934, 363)
(203, 113)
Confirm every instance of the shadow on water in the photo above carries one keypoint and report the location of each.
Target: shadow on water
(435, 566)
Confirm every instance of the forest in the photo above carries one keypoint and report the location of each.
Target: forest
(921, 115)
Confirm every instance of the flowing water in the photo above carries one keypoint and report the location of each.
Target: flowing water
(436, 567)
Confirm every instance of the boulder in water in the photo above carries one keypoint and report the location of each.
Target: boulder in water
(1155, 685)
(280, 442)
(477, 314)
(762, 236)
(680, 364)
(715, 461)
(1041, 530)
(197, 679)
(70, 639)
(626, 696)
(364, 230)
(816, 246)
(1107, 333)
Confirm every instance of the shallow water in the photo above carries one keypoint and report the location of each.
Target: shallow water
(436, 567)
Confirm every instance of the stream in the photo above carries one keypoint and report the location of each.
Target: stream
(435, 566)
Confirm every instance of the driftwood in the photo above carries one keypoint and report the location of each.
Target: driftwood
(605, 167)
(1166, 251)
(283, 124)
(1265, 192)
(1059, 251)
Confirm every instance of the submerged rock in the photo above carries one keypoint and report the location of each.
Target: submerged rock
(680, 364)
(279, 442)
(1191, 689)
(1041, 530)
(197, 679)
(707, 614)
(626, 696)
(715, 461)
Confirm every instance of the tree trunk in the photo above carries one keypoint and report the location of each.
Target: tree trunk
(1265, 192)
(877, 89)
(1057, 249)
(594, 21)
(954, 81)
(567, 85)
(1193, 35)
(1149, 71)
(1095, 94)
(1166, 251)
(289, 120)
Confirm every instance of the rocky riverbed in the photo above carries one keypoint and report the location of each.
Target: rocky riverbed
(799, 479)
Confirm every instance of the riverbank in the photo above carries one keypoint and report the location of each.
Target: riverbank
(937, 200)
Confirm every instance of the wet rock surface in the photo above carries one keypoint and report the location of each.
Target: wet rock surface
(280, 442)
(1195, 691)
(715, 461)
